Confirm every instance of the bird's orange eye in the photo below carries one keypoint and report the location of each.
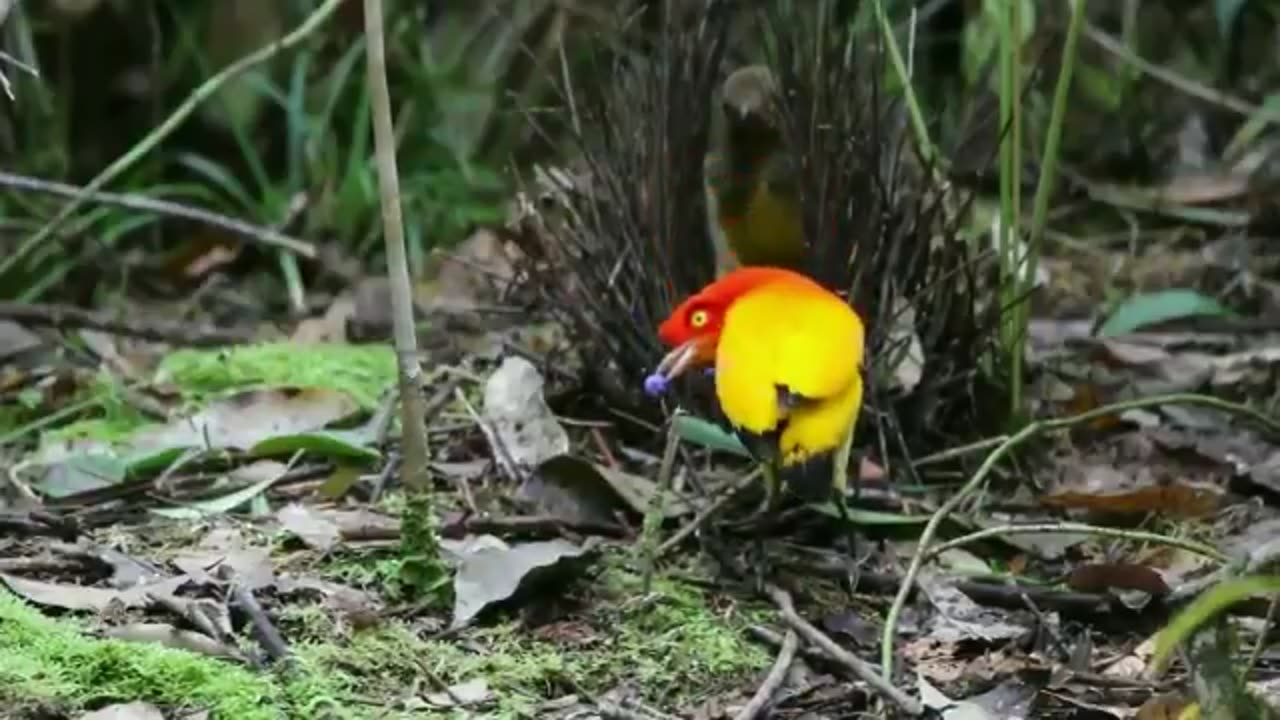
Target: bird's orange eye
(698, 318)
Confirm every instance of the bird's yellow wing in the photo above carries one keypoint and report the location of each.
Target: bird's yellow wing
(782, 335)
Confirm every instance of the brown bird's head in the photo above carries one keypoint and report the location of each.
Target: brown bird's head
(749, 91)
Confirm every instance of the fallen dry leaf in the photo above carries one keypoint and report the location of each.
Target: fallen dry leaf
(172, 637)
(226, 546)
(244, 419)
(489, 575)
(1100, 577)
(137, 710)
(310, 526)
(518, 413)
(82, 597)
(1178, 500)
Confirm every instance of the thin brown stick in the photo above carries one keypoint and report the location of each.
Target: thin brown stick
(1176, 81)
(773, 680)
(67, 317)
(415, 472)
(266, 631)
(703, 515)
(860, 669)
(249, 231)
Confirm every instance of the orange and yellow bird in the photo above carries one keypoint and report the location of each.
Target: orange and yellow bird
(787, 355)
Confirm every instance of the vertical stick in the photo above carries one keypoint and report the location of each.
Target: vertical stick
(413, 470)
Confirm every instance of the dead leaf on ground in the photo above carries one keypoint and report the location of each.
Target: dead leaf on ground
(465, 694)
(515, 408)
(363, 524)
(489, 575)
(575, 490)
(244, 419)
(959, 618)
(310, 526)
(1100, 577)
(328, 328)
(358, 607)
(172, 637)
(1102, 487)
(1167, 706)
(226, 546)
(82, 597)
(137, 710)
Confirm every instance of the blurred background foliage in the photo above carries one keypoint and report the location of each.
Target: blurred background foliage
(288, 144)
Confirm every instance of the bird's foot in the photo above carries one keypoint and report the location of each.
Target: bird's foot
(758, 562)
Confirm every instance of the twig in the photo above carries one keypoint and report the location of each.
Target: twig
(164, 129)
(63, 317)
(1032, 429)
(706, 513)
(774, 639)
(654, 514)
(860, 669)
(415, 473)
(256, 233)
(1068, 527)
(266, 631)
(1262, 636)
(532, 524)
(1186, 85)
(773, 680)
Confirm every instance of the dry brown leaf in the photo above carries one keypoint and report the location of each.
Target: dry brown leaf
(1176, 499)
(1100, 577)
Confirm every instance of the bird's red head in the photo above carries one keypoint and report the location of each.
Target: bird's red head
(693, 328)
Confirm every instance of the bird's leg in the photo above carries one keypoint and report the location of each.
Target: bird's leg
(838, 483)
(760, 559)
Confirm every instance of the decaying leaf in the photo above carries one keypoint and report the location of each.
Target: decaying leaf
(125, 711)
(81, 597)
(489, 574)
(576, 490)
(1138, 488)
(1100, 577)
(471, 692)
(226, 546)
(516, 409)
(247, 418)
(172, 637)
(265, 472)
(310, 526)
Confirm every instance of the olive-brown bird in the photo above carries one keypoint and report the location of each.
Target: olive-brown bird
(753, 208)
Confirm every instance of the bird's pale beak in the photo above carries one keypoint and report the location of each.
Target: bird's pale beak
(681, 358)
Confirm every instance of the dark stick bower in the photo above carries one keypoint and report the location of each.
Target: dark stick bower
(616, 244)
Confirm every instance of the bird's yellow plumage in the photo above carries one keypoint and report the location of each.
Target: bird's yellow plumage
(788, 368)
(785, 338)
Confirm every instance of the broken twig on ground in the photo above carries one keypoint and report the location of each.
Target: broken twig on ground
(1082, 528)
(861, 670)
(773, 680)
(68, 317)
(256, 233)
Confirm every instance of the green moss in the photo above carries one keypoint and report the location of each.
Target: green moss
(43, 660)
(363, 371)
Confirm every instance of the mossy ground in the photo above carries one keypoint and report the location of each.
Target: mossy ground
(675, 646)
(364, 372)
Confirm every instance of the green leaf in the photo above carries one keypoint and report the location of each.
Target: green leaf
(218, 505)
(332, 443)
(1145, 309)
(707, 434)
(1204, 608)
(871, 517)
